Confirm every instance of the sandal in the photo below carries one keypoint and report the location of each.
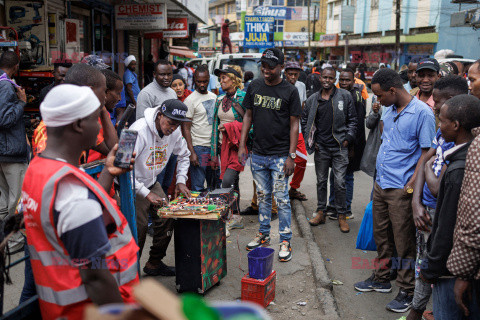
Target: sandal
(295, 194)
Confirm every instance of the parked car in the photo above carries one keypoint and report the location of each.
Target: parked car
(247, 61)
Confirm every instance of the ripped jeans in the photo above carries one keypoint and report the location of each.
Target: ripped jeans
(269, 178)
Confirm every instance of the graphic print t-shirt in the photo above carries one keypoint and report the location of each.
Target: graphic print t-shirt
(272, 107)
(200, 111)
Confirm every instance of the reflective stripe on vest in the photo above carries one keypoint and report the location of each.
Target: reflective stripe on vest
(62, 298)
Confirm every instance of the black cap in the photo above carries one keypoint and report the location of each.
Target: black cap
(273, 57)
(175, 110)
(218, 72)
(428, 63)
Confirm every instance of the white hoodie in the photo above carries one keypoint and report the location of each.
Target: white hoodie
(148, 166)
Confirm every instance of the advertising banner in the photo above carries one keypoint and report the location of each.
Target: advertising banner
(259, 32)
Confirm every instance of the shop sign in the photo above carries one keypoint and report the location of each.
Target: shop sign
(296, 36)
(327, 40)
(176, 28)
(421, 49)
(370, 57)
(237, 36)
(288, 43)
(259, 32)
(141, 16)
(285, 13)
(278, 43)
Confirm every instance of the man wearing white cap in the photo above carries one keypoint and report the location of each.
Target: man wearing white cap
(81, 247)
(130, 80)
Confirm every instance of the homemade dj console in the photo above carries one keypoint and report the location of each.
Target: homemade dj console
(200, 241)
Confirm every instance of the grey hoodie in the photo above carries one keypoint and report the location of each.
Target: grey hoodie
(148, 164)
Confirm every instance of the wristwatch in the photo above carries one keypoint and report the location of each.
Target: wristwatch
(293, 155)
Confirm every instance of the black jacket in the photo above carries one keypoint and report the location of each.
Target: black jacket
(357, 148)
(344, 126)
(440, 242)
(13, 141)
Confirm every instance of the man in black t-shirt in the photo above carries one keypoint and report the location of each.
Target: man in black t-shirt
(329, 122)
(273, 106)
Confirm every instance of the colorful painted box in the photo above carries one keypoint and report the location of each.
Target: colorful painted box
(200, 254)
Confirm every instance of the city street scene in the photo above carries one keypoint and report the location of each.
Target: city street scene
(240, 159)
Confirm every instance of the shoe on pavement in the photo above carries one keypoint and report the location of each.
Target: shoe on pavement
(235, 222)
(249, 212)
(285, 252)
(334, 216)
(318, 219)
(371, 285)
(342, 223)
(401, 303)
(161, 270)
(330, 210)
(261, 240)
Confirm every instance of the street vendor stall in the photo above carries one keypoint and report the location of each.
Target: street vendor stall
(200, 241)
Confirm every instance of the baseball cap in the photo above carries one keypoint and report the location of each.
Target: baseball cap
(175, 110)
(428, 63)
(292, 65)
(218, 72)
(272, 57)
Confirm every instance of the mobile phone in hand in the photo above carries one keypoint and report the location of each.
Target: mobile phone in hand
(126, 146)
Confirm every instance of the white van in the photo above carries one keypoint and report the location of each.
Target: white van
(247, 61)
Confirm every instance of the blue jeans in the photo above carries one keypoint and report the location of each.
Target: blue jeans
(198, 174)
(165, 177)
(444, 305)
(269, 178)
(29, 290)
(348, 190)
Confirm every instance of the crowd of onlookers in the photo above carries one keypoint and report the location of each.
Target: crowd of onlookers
(196, 131)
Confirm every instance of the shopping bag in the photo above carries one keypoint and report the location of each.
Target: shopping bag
(365, 239)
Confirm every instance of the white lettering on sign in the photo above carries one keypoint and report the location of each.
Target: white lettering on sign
(271, 11)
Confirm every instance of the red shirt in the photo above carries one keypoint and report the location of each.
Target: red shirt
(225, 30)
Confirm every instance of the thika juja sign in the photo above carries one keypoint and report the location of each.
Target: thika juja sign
(141, 16)
(259, 32)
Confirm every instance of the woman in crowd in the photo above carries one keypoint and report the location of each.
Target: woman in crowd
(227, 126)
(180, 87)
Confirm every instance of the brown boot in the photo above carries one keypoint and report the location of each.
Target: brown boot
(318, 219)
(342, 223)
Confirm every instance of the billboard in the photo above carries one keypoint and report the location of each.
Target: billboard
(259, 32)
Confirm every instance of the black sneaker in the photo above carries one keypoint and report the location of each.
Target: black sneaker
(402, 303)
(371, 285)
(161, 270)
(334, 216)
(249, 212)
(261, 240)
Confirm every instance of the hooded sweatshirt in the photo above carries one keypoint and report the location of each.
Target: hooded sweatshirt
(148, 164)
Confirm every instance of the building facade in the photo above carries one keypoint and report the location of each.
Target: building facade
(424, 27)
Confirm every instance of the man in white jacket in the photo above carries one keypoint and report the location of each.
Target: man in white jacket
(159, 136)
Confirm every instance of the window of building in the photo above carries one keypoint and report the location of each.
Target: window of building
(329, 10)
(231, 8)
(212, 13)
(278, 2)
(279, 24)
(374, 4)
(349, 2)
(297, 3)
(221, 10)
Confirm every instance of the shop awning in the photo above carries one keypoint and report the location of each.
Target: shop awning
(182, 52)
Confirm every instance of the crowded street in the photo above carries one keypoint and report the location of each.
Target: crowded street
(239, 159)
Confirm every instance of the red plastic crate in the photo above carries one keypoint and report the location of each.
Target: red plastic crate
(261, 292)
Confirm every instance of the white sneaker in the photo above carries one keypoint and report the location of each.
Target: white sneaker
(235, 222)
(285, 252)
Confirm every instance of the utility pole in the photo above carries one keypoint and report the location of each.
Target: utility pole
(397, 34)
(308, 29)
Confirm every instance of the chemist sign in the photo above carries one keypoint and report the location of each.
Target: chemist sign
(141, 16)
(259, 32)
